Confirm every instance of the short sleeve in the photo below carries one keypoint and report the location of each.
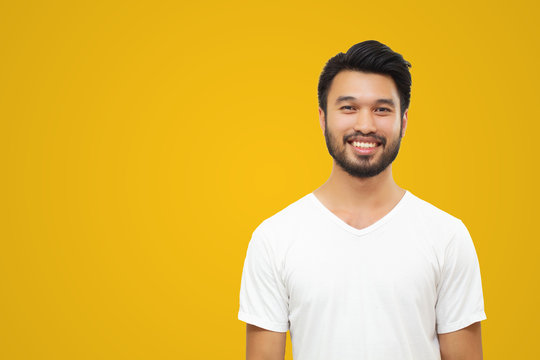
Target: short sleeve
(263, 296)
(460, 300)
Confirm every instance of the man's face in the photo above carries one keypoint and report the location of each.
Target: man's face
(362, 125)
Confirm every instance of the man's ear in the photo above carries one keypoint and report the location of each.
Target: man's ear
(404, 122)
(322, 119)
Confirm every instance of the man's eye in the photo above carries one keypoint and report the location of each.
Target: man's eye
(383, 109)
(347, 107)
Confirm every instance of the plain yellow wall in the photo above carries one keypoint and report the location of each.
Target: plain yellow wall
(142, 142)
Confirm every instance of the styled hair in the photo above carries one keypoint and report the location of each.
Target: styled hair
(368, 56)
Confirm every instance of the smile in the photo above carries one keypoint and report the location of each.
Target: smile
(364, 148)
(364, 144)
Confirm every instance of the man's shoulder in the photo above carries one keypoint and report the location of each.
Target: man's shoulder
(289, 222)
(290, 215)
(432, 214)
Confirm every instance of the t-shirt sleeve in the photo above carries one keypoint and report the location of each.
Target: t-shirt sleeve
(460, 300)
(263, 296)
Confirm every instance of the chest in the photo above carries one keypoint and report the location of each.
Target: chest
(371, 272)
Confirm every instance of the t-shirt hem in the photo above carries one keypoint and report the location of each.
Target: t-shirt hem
(262, 323)
(457, 325)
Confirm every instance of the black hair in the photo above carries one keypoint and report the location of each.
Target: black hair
(368, 56)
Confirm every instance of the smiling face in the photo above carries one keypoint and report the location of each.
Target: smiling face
(362, 125)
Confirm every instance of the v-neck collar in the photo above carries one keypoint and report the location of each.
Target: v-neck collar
(367, 229)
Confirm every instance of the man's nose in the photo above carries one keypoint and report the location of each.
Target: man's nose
(365, 122)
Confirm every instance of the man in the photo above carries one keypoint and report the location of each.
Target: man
(361, 268)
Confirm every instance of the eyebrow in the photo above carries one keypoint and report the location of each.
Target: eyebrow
(378, 101)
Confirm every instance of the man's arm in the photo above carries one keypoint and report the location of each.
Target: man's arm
(463, 344)
(262, 344)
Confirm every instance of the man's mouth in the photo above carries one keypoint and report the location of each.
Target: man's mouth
(365, 147)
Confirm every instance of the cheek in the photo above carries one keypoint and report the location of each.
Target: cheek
(342, 124)
(390, 126)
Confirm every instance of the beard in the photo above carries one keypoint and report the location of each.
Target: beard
(362, 166)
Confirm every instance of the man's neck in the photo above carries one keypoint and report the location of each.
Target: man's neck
(359, 195)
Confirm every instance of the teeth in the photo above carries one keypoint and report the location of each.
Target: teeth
(363, 144)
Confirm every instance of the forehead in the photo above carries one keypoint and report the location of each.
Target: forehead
(363, 86)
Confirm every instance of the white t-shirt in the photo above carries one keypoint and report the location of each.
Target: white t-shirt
(381, 292)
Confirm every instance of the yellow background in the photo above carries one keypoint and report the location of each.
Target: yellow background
(142, 143)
